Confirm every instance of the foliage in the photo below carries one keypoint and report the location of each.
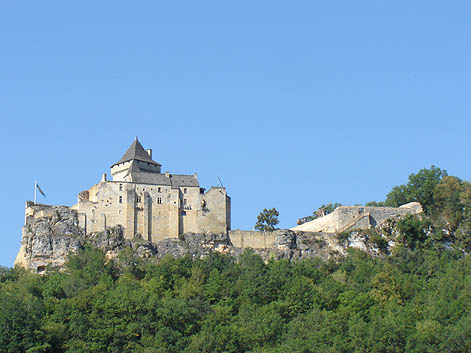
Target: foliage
(267, 220)
(419, 188)
(378, 240)
(447, 205)
(452, 197)
(375, 204)
(411, 231)
(415, 300)
(342, 237)
(324, 210)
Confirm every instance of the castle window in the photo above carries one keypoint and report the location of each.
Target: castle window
(185, 190)
(139, 199)
(159, 200)
(184, 202)
(120, 199)
(120, 187)
(183, 213)
(159, 189)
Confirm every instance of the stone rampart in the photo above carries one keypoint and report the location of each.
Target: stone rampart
(252, 239)
(357, 217)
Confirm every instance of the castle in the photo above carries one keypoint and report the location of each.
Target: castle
(151, 204)
(164, 209)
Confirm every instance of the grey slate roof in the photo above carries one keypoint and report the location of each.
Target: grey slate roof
(179, 180)
(133, 168)
(136, 152)
(175, 180)
(151, 178)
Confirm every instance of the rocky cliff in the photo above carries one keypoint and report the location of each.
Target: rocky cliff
(51, 233)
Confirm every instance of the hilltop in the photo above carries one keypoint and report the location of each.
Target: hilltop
(51, 233)
(401, 285)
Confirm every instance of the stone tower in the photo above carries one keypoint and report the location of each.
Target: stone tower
(152, 205)
(135, 159)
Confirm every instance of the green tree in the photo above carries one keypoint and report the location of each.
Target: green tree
(420, 188)
(449, 201)
(412, 231)
(267, 220)
(324, 210)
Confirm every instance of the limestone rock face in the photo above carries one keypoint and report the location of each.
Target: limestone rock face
(51, 233)
(48, 236)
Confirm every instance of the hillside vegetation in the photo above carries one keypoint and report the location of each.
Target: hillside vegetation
(417, 299)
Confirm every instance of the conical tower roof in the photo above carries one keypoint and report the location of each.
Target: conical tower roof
(136, 152)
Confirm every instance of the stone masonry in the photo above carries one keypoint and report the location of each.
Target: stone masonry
(346, 218)
(151, 204)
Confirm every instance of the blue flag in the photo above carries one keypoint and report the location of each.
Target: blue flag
(42, 192)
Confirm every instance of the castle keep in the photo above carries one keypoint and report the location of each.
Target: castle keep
(151, 204)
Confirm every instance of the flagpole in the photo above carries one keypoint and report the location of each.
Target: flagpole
(35, 187)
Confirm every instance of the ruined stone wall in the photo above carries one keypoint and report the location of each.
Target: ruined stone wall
(363, 217)
(103, 207)
(252, 239)
(345, 218)
(212, 215)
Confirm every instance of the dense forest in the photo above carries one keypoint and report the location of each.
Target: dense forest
(417, 298)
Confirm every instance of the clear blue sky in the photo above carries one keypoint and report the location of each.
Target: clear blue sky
(292, 104)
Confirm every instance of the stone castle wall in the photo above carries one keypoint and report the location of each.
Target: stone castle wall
(155, 212)
(363, 217)
(345, 218)
(252, 239)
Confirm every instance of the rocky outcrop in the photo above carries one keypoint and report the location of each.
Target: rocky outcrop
(51, 233)
(48, 236)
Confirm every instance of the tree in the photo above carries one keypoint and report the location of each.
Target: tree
(267, 220)
(420, 188)
(324, 210)
(448, 201)
(412, 231)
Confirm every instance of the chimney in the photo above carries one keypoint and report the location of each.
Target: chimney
(167, 174)
(103, 178)
(149, 152)
(195, 176)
